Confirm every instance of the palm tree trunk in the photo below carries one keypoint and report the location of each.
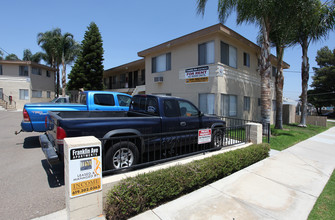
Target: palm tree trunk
(304, 83)
(279, 88)
(63, 76)
(265, 69)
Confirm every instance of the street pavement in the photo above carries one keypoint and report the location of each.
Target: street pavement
(284, 186)
(29, 186)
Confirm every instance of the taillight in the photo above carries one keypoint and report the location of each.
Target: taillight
(25, 116)
(60, 135)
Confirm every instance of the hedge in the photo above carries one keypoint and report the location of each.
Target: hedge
(146, 191)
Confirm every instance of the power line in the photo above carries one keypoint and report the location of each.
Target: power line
(4, 50)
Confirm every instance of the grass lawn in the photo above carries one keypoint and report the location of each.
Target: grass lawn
(324, 207)
(292, 134)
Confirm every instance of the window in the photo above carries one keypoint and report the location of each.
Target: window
(36, 71)
(259, 101)
(206, 53)
(274, 107)
(161, 63)
(274, 71)
(146, 105)
(246, 59)
(142, 75)
(246, 103)
(48, 73)
(123, 100)
(48, 94)
(23, 71)
(36, 94)
(104, 99)
(207, 103)
(228, 55)
(24, 94)
(0, 69)
(228, 105)
(170, 106)
(187, 109)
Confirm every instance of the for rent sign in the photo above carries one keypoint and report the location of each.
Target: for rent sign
(198, 74)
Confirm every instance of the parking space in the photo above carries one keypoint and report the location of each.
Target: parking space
(29, 186)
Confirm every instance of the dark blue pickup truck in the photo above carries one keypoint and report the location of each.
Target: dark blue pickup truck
(147, 114)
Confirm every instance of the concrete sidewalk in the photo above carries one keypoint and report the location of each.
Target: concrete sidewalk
(283, 186)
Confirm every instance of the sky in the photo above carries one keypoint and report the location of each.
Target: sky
(130, 26)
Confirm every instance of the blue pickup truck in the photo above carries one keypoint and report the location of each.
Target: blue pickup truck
(147, 115)
(34, 114)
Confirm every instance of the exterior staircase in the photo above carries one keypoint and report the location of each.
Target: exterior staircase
(5, 104)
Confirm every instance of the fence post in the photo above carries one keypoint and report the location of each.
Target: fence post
(255, 132)
(83, 177)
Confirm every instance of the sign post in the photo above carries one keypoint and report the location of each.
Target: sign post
(83, 177)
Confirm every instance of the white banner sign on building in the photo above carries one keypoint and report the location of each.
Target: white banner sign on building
(198, 74)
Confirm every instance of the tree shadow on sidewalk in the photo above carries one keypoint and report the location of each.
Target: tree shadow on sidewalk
(55, 173)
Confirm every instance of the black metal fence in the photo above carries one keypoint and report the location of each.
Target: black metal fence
(241, 122)
(125, 152)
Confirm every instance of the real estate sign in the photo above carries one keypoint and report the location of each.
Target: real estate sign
(84, 170)
(198, 74)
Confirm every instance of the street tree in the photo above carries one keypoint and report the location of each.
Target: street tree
(261, 13)
(59, 50)
(314, 21)
(28, 56)
(88, 69)
(11, 57)
(323, 92)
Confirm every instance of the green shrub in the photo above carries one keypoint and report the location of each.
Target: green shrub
(146, 191)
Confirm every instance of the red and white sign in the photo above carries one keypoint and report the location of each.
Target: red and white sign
(204, 136)
(198, 72)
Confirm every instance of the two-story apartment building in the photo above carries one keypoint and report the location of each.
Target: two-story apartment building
(215, 68)
(25, 81)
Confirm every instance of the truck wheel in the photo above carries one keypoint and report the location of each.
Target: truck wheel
(218, 136)
(122, 154)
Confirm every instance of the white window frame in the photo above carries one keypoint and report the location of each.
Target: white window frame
(36, 71)
(206, 53)
(24, 94)
(246, 103)
(161, 63)
(23, 71)
(207, 103)
(36, 93)
(228, 108)
(246, 59)
(231, 60)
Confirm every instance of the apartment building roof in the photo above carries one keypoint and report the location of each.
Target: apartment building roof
(217, 28)
(29, 63)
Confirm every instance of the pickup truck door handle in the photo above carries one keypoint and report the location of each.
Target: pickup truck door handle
(183, 124)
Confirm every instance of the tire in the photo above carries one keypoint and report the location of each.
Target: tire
(122, 154)
(218, 136)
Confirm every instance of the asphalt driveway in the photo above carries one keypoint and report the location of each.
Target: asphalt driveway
(29, 186)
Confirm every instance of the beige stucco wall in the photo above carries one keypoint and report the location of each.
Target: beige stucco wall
(11, 83)
(243, 81)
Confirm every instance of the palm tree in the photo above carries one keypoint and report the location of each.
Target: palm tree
(260, 13)
(69, 51)
(28, 56)
(319, 23)
(59, 49)
(49, 42)
(11, 57)
(282, 36)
